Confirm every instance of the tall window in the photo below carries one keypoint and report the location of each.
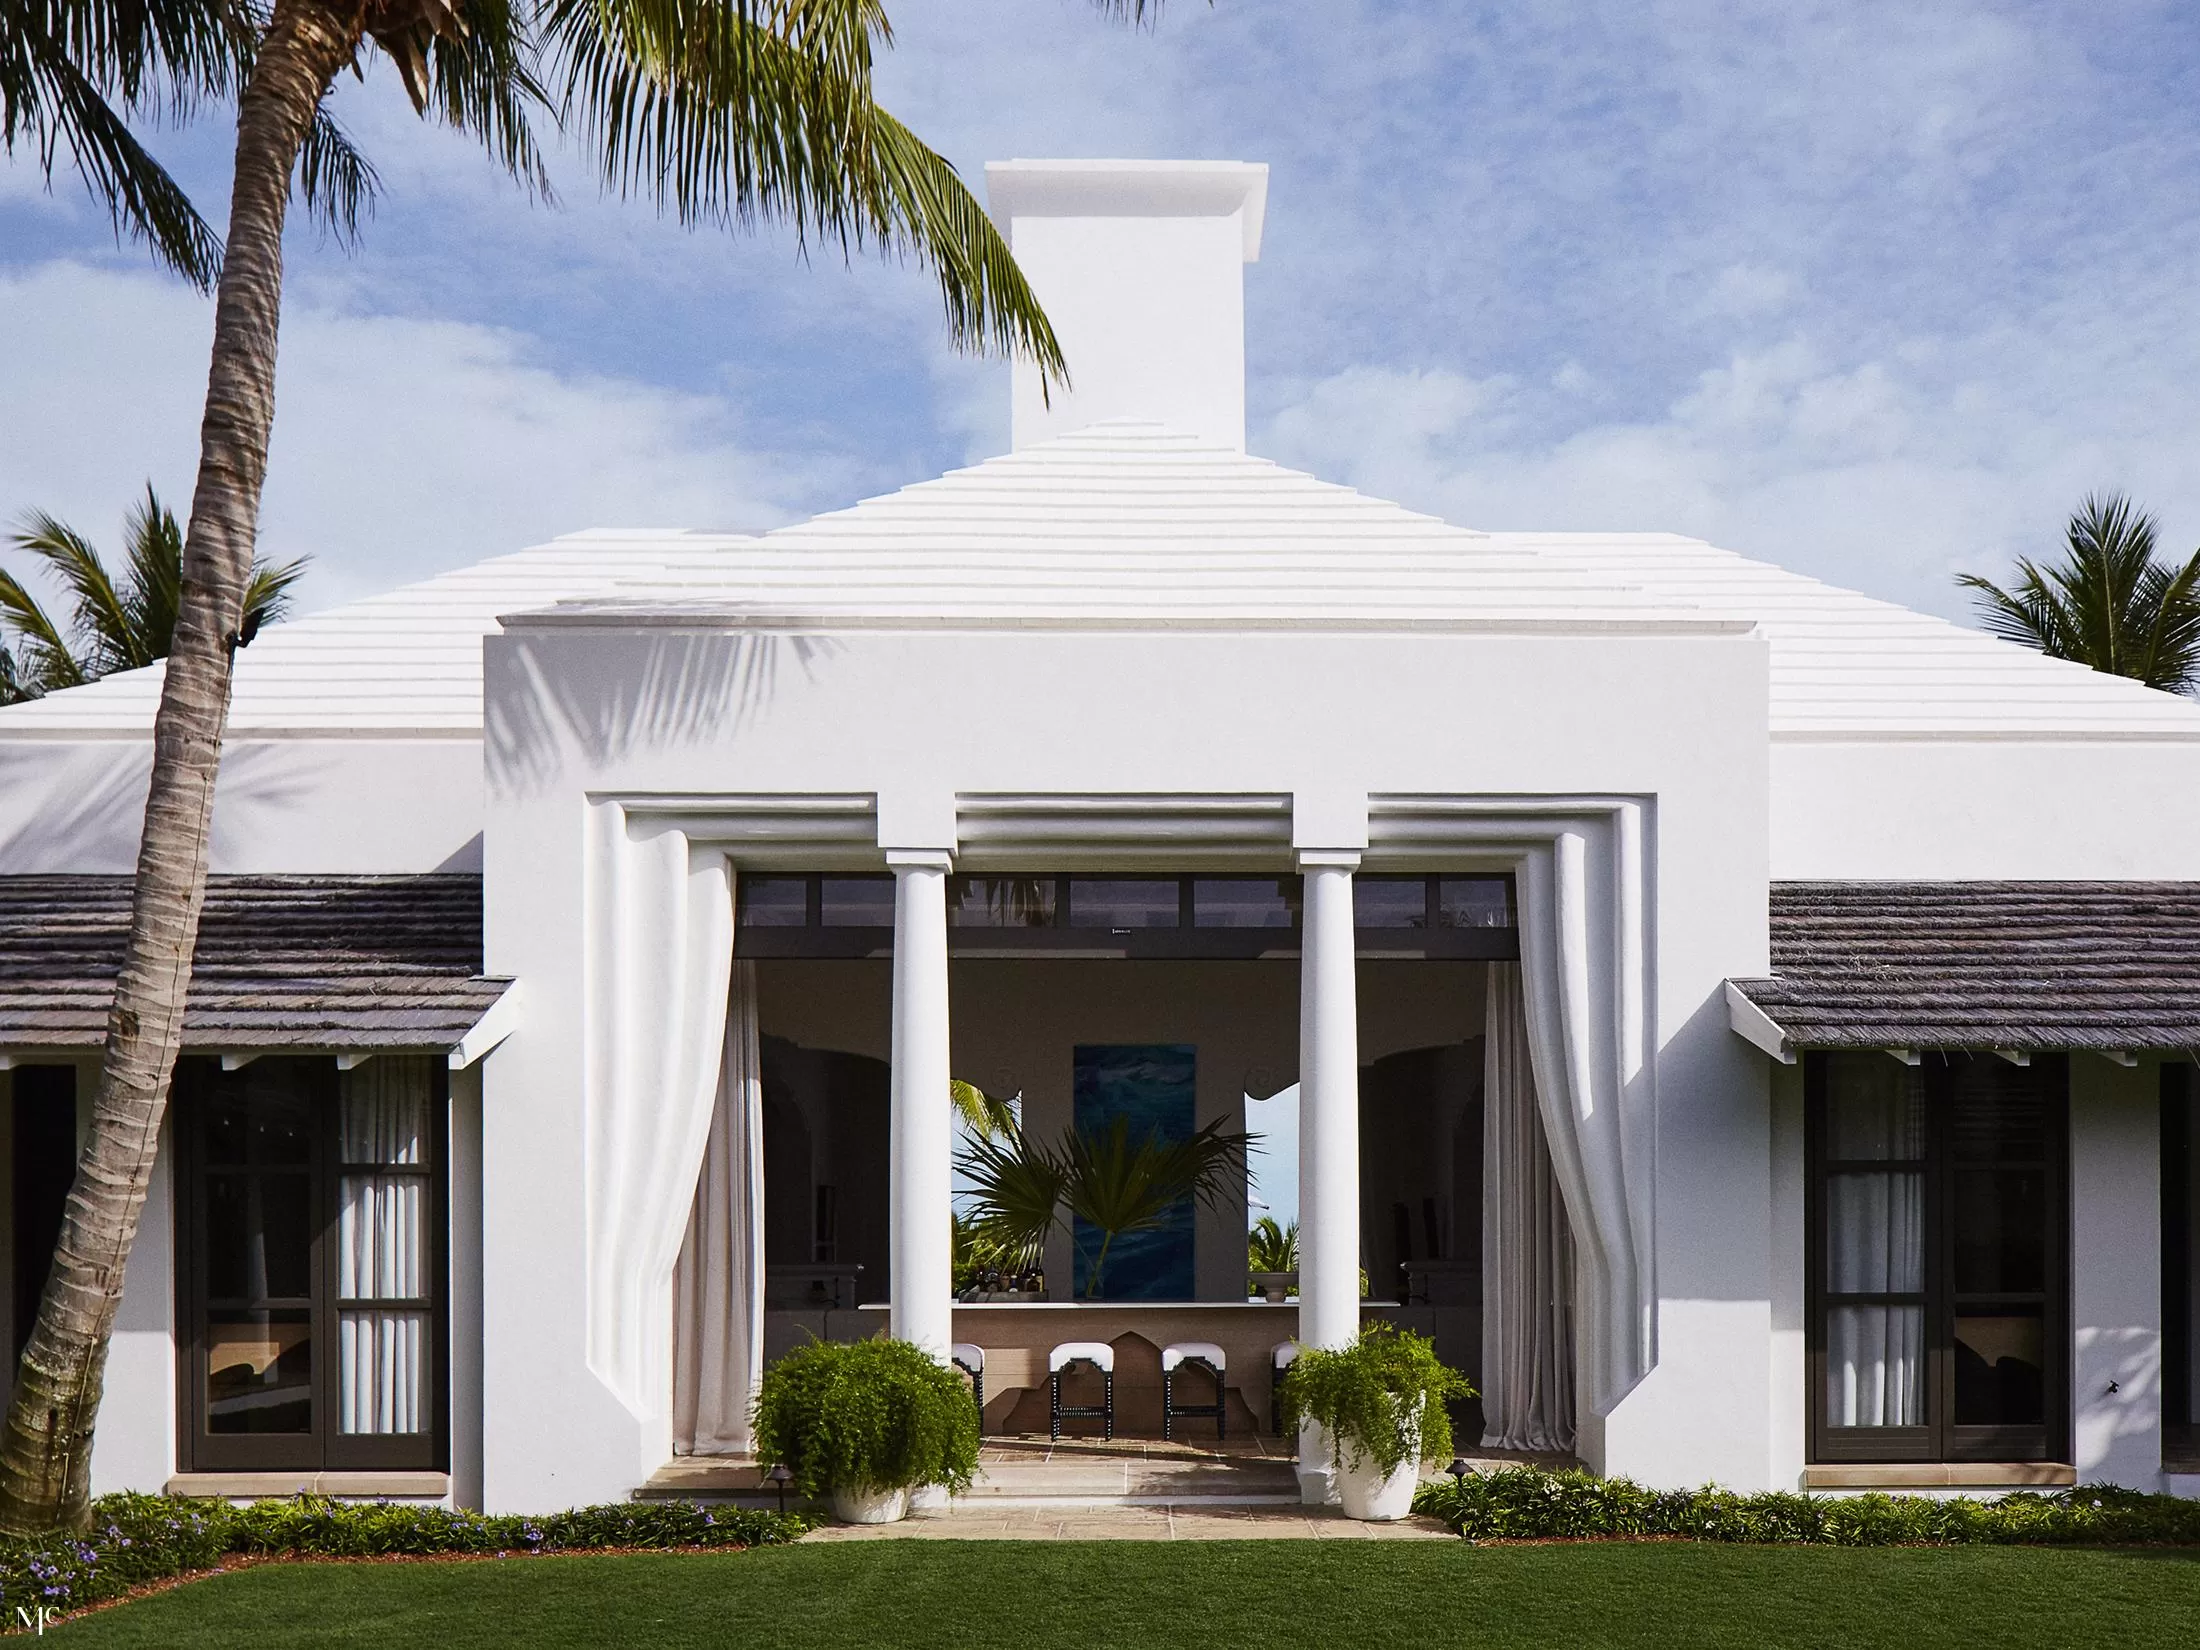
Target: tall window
(309, 1212)
(1938, 1225)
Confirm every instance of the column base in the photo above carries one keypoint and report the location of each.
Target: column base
(1317, 1468)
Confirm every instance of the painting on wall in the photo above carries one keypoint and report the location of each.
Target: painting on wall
(1150, 1087)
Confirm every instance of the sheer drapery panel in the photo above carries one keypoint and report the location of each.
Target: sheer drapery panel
(1875, 1244)
(384, 1123)
(1527, 1245)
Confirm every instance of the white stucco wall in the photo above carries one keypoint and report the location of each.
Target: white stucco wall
(2116, 1271)
(356, 806)
(916, 718)
(134, 1447)
(2004, 808)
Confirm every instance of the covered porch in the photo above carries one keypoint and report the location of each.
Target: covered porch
(1396, 994)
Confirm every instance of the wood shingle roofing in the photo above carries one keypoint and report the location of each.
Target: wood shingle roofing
(282, 962)
(1984, 965)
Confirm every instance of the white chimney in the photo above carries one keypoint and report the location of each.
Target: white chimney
(1140, 265)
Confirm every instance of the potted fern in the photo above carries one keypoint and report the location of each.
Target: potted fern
(1380, 1402)
(863, 1423)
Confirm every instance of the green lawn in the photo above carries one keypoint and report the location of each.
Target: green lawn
(1138, 1595)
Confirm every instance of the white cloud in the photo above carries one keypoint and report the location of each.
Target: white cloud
(401, 446)
(1890, 475)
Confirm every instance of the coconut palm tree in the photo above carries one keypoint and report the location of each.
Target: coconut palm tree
(114, 627)
(2108, 603)
(716, 111)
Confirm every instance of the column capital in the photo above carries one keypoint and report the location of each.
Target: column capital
(919, 859)
(1343, 859)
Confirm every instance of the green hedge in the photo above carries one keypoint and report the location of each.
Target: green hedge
(1525, 1503)
(135, 1539)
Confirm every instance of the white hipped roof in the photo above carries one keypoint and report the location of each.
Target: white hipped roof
(1129, 526)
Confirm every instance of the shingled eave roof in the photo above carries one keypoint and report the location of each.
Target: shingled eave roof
(299, 963)
(2019, 966)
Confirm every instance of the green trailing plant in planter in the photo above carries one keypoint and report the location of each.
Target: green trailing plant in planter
(851, 1419)
(1381, 1399)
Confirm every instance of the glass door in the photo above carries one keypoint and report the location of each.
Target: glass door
(251, 1209)
(1938, 1230)
(309, 1207)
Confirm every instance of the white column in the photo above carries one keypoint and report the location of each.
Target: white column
(921, 1285)
(1329, 1130)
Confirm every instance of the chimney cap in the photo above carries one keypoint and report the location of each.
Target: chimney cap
(1130, 189)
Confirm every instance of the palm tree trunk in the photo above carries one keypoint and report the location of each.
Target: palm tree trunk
(45, 1448)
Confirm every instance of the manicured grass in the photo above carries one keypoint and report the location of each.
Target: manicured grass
(1137, 1595)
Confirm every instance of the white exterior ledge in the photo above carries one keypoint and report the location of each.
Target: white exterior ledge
(252, 1486)
(1941, 1475)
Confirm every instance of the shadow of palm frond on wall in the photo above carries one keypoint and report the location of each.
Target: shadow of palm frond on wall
(621, 696)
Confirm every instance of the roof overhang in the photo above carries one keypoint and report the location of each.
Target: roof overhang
(345, 966)
(2011, 968)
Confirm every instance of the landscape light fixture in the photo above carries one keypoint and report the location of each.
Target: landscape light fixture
(779, 1478)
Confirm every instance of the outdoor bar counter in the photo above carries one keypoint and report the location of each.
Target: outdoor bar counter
(1018, 1335)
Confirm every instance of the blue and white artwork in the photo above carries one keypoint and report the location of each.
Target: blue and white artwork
(1150, 1086)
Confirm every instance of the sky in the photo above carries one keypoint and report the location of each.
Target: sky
(1876, 291)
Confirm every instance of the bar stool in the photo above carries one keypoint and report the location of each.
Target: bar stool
(1102, 1357)
(1209, 1357)
(969, 1357)
(1281, 1356)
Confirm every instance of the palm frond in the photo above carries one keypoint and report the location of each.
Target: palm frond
(59, 65)
(1017, 1189)
(339, 183)
(2107, 603)
(102, 620)
(734, 111)
(152, 590)
(267, 596)
(989, 1116)
(43, 662)
(1272, 1247)
(481, 80)
(921, 203)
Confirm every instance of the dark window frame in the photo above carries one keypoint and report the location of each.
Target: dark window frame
(323, 1448)
(1940, 1439)
(2180, 1241)
(1187, 940)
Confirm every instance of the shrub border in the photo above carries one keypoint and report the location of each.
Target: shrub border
(1531, 1504)
(136, 1541)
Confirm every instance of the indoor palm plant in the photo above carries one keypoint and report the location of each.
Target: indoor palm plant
(864, 1423)
(1381, 1403)
(1115, 1185)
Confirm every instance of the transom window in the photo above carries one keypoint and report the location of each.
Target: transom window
(1938, 1227)
(827, 915)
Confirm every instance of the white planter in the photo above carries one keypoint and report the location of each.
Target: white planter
(869, 1506)
(1374, 1497)
(1369, 1496)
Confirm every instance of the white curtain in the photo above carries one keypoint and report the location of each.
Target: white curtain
(1527, 1245)
(383, 1120)
(1581, 983)
(1875, 1243)
(660, 956)
(718, 1285)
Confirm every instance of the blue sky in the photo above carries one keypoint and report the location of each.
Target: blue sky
(1872, 290)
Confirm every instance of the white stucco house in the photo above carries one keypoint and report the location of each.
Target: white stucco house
(1749, 1024)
